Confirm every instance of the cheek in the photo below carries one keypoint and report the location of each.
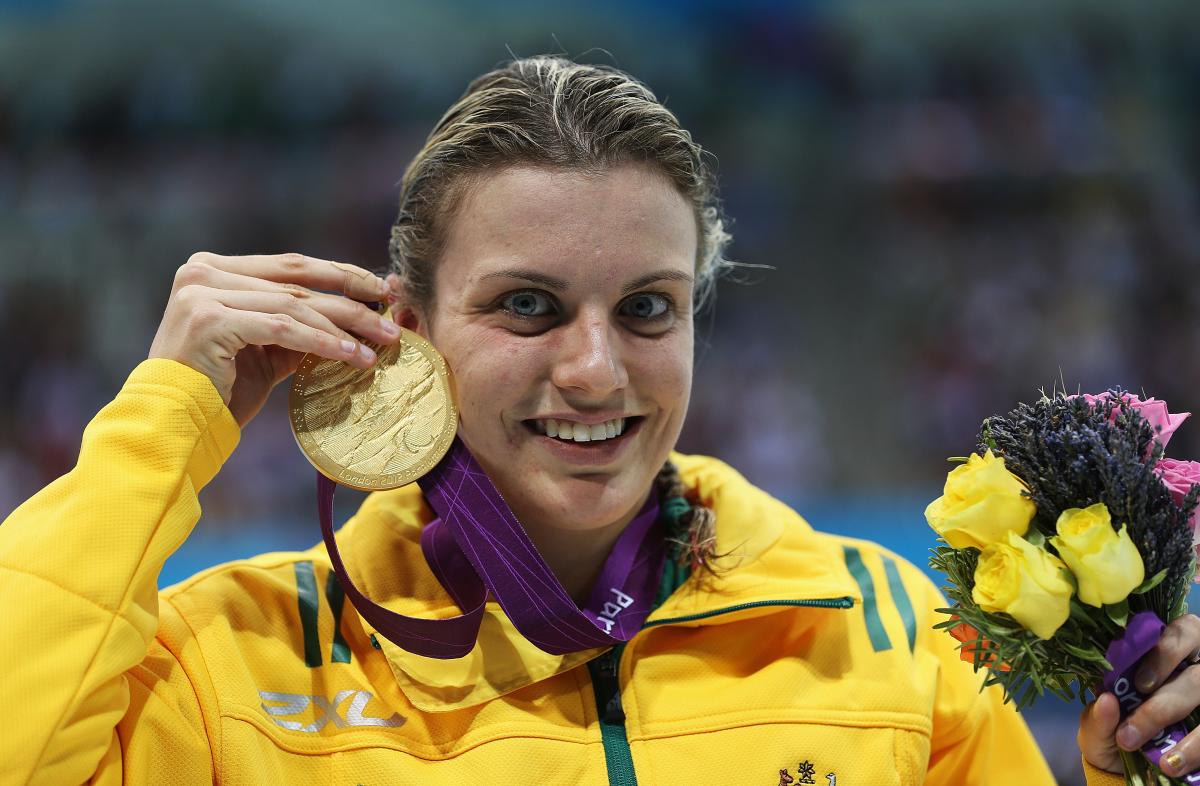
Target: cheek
(666, 375)
(673, 364)
(490, 376)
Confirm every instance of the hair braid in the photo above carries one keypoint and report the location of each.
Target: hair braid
(691, 526)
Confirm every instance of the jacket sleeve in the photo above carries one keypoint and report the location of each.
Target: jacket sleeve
(98, 677)
(977, 738)
(1098, 777)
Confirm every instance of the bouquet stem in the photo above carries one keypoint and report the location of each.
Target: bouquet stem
(1139, 771)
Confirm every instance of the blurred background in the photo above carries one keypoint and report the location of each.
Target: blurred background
(962, 204)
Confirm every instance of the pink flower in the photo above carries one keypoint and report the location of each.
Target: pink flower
(1154, 411)
(1179, 477)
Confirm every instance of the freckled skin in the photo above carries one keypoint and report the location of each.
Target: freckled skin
(593, 351)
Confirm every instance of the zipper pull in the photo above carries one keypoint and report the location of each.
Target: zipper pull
(608, 688)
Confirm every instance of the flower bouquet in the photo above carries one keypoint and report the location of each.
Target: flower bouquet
(1068, 543)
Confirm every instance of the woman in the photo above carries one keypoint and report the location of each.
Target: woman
(554, 237)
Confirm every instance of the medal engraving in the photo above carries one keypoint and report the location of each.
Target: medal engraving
(376, 428)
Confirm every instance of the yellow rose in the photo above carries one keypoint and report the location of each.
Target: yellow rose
(981, 502)
(1024, 581)
(1106, 564)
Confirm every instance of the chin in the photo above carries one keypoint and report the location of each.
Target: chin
(595, 500)
(572, 497)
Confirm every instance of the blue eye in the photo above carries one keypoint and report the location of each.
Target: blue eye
(527, 304)
(646, 306)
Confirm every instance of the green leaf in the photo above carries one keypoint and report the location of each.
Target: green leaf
(1149, 583)
(1083, 614)
(1180, 607)
(1084, 653)
(947, 624)
(988, 439)
(1118, 612)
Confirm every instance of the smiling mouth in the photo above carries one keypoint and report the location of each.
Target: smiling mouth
(581, 433)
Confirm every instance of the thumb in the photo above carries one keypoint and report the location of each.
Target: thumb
(1097, 733)
(284, 363)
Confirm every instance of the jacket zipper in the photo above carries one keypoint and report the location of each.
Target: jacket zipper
(606, 684)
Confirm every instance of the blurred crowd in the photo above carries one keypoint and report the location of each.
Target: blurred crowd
(956, 210)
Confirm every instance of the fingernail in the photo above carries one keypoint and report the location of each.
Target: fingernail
(389, 327)
(366, 352)
(347, 346)
(1127, 736)
(1173, 760)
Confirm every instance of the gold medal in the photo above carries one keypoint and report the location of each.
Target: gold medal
(376, 428)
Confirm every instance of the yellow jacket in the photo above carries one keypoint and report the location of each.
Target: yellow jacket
(811, 660)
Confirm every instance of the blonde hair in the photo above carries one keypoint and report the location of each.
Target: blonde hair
(548, 111)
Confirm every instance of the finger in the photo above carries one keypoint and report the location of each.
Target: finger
(278, 303)
(1179, 641)
(1170, 703)
(1097, 725)
(356, 282)
(268, 329)
(394, 287)
(346, 313)
(1184, 757)
(349, 315)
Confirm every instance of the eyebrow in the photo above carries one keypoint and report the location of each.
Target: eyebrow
(559, 285)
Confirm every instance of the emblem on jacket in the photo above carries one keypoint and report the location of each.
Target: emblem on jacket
(326, 710)
(805, 773)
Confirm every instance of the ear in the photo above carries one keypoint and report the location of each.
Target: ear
(403, 312)
(407, 316)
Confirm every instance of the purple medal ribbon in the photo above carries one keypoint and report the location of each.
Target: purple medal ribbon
(477, 546)
(1140, 636)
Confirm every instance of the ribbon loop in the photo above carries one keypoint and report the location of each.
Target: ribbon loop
(477, 546)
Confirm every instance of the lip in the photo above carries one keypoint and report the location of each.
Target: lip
(589, 454)
(588, 420)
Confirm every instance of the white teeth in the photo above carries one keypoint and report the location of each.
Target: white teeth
(581, 432)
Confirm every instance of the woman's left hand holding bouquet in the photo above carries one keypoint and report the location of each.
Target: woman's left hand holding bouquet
(1102, 735)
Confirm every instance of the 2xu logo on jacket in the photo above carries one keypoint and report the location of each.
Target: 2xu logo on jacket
(327, 710)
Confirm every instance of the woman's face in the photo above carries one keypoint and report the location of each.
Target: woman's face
(566, 296)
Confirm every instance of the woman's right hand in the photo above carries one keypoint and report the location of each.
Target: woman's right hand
(246, 321)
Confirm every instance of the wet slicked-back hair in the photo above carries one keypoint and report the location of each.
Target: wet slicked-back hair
(548, 111)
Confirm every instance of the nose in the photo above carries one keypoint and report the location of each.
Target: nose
(590, 357)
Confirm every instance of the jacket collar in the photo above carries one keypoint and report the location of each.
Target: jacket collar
(771, 558)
